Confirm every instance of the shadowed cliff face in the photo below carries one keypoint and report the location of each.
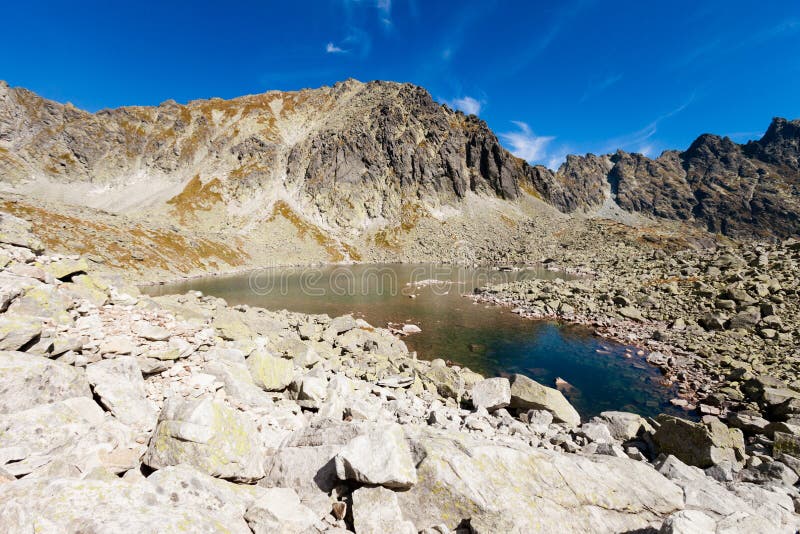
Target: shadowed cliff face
(359, 155)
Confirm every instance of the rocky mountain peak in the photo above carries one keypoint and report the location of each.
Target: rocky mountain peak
(356, 155)
(780, 145)
(782, 129)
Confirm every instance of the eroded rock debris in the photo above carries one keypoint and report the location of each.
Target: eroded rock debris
(121, 413)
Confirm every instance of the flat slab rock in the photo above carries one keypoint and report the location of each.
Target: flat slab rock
(504, 489)
(104, 506)
(74, 432)
(119, 384)
(27, 381)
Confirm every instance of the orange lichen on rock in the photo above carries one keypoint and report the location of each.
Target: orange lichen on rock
(125, 247)
(387, 239)
(411, 213)
(336, 250)
(196, 196)
(508, 221)
(248, 169)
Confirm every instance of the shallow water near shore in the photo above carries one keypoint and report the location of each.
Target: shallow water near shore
(603, 375)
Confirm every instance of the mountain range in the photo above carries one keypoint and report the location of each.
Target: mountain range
(357, 166)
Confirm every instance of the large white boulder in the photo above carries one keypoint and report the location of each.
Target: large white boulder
(185, 486)
(27, 381)
(502, 488)
(74, 431)
(380, 456)
(209, 435)
(528, 394)
(106, 506)
(119, 385)
(492, 394)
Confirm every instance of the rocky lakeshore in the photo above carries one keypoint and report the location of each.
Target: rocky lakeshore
(121, 412)
(718, 321)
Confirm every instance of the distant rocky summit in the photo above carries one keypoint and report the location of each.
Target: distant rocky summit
(737, 190)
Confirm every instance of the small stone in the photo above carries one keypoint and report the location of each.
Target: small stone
(785, 443)
(624, 426)
(411, 329)
(597, 432)
(118, 345)
(342, 324)
(631, 313)
(339, 510)
(688, 522)
(151, 332)
(538, 417)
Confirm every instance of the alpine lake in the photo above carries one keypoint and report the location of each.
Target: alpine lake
(600, 375)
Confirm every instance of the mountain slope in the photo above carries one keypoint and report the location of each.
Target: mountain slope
(363, 146)
(358, 167)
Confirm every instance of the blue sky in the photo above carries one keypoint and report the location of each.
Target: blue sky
(568, 76)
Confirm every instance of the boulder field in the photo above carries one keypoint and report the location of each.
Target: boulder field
(125, 413)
